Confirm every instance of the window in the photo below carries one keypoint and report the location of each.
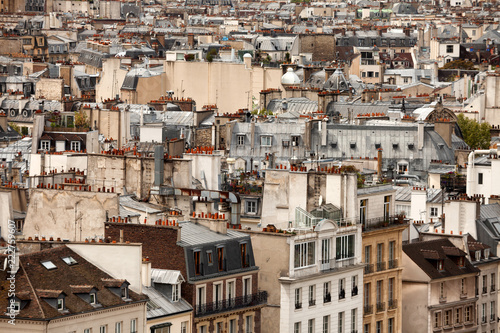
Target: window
(402, 168)
(341, 322)
(390, 325)
(483, 313)
(184, 325)
(75, 145)
(370, 74)
(366, 328)
(266, 141)
(492, 281)
(248, 324)
(220, 258)
(354, 285)
(16, 306)
(103, 329)
(380, 257)
(326, 292)
(45, 144)
(124, 292)
(492, 311)
(387, 207)
(345, 247)
(295, 140)
(296, 327)
(240, 140)
(60, 304)
(176, 291)
(310, 326)
(354, 315)
(203, 329)
(463, 287)
(368, 251)
(362, 211)
(376, 74)
(93, 298)
(434, 211)
(230, 290)
(392, 249)
(304, 254)
(391, 291)
(200, 299)
(341, 288)
(232, 326)
(325, 250)
(479, 178)
(48, 264)
(363, 74)
(366, 295)
(219, 327)
(286, 143)
(209, 258)
(312, 295)
(379, 292)
(485, 284)
(468, 313)
(440, 265)
(87, 330)
(441, 291)
(405, 80)
(244, 256)
(69, 260)
(247, 286)
(449, 48)
(378, 327)
(437, 319)
(326, 324)
(298, 298)
(447, 318)
(118, 327)
(458, 315)
(133, 326)
(197, 262)
(251, 207)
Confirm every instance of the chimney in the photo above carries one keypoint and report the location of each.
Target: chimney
(247, 60)
(191, 41)
(146, 272)
(307, 73)
(159, 157)
(379, 163)
(420, 135)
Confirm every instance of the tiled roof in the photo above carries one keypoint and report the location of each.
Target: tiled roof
(426, 254)
(35, 283)
(83, 289)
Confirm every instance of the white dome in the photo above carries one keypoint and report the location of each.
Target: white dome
(247, 55)
(290, 78)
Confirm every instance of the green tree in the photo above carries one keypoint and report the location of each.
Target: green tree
(15, 127)
(81, 119)
(476, 135)
(211, 55)
(459, 64)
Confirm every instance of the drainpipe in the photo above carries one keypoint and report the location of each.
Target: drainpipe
(470, 166)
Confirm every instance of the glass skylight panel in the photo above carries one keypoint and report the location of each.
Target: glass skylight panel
(48, 264)
(69, 260)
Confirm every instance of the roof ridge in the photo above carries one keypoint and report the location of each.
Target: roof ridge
(33, 289)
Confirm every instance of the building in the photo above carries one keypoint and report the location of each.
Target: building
(439, 285)
(57, 290)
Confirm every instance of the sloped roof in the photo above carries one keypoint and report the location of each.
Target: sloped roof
(195, 234)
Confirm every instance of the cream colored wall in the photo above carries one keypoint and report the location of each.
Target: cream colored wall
(271, 267)
(111, 257)
(56, 162)
(175, 320)
(148, 89)
(224, 84)
(415, 316)
(51, 89)
(72, 215)
(111, 79)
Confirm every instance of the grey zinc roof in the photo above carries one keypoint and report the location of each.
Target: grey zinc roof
(490, 211)
(166, 276)
(403, 193)
(128, 202)
(374, 189)
(159, 305)
(194, 234)
(296, 104)
(23, 146)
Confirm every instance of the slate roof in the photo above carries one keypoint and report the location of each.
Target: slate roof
(195, 234)
(490, 211)
(159, 305)
(426, 254)
(35, 283)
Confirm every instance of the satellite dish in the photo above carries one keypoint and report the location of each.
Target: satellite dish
(320, 200)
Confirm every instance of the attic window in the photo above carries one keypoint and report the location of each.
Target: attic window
(93, 298)
(333, 144)
(124, 292)
(440, 145)
(440, 265)
(377, 145)
(478, 255)
(353, 144)
(176, 291)
(411, 146)
(48, 264)
(16, 306)
(69, 260)
(60, 304)
(486, 253)
(395, 145)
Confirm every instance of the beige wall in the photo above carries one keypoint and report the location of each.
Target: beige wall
(51, 89)
(111, 80)
(224, 84)
(175, 320)
(73, 215)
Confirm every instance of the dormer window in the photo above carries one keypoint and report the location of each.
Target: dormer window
(60, 304)
(15, 306)
(486, 253)
(93, 298)
(478, 255)
(125, 292)
(176, 291)
(461, 261)
(45, 144)
(440, 265)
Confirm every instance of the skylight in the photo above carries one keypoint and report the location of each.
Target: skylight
(69, 260)
(48, 264)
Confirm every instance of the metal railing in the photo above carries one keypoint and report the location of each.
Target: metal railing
(393, 303)
(369, 269)
(380, 266)
(493, 287)
(368, 309)
(380, 306)
(327, 298)
(354, 291)
(332, 264)
(312, 302)
(485, 290)
(393, 264)
(342, 294)
(231, 304)
(298, 305)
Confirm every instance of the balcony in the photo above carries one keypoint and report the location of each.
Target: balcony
(342, 294)
(369, 268)
(381, 266)
(392, 304)
(368, 309)
(298, 305)
(492, 288)
(354, 291)
(485, 290)
(312, 302)
(327, 298)
(384, 222)
(380, 306)
(231, 304)
(393, 264)
(334, 264)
